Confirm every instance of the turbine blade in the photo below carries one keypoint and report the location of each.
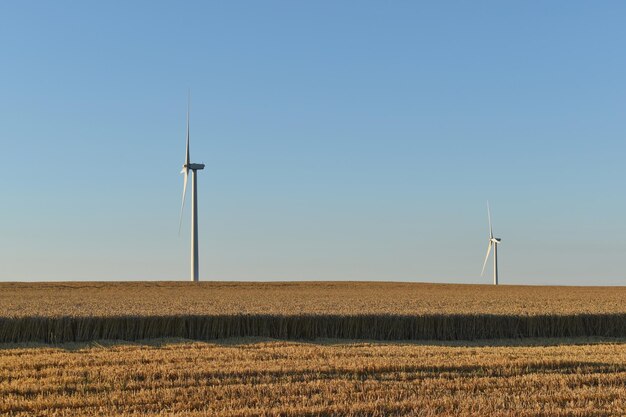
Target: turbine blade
(182, 206)
(486, 257)
(187, 159)
(489, 217)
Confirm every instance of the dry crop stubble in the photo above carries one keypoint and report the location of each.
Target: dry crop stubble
(255, 378)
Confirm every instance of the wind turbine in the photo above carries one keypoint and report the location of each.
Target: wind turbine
(493, 241)
(187, 166)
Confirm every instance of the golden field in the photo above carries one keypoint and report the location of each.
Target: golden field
(75, 312)
(255, 377)
(317, 367)
(292, 298)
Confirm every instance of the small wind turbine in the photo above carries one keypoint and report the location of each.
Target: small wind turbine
(194, 202)
(493, 241)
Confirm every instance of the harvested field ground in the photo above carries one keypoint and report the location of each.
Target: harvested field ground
(74, 312)
(256, 378)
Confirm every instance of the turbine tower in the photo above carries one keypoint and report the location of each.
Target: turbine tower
(493, 241)
(194, 201)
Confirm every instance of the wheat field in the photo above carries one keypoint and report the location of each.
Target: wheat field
(75, 312)
(225, 359)
(307, 298)
(277, 378)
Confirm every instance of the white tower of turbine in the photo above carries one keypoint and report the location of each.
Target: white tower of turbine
(493, 241)
(187, 166)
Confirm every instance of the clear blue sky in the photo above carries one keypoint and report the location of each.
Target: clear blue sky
(343, 140)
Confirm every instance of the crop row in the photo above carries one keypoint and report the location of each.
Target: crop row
(376, 327)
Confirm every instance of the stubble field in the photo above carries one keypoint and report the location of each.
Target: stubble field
(277, 378)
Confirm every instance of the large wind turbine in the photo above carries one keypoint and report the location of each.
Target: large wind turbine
(194, 202)
(493, 241)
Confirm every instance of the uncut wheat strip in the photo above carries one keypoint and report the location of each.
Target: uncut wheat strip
(377, 327)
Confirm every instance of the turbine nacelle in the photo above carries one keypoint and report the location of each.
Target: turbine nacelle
(495, 240)
(192, 167)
